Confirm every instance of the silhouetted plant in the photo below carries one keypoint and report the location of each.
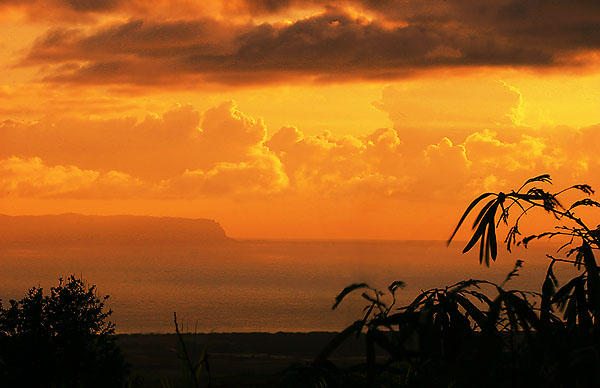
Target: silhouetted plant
(63, 339)
(193, 370)
(477, 333)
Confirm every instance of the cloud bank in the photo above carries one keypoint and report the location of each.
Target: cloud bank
(351, 40)
(225, 152)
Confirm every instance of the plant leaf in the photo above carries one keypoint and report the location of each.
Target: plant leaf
(548, 290)
(539, 178)
(492, 240)
(565, 290)
(585, 188)
(585, 202)
(395, 285)
(515, 271)
(469, 208)
(479, 233)
(478, 316)
(481, 213)
(346, 291)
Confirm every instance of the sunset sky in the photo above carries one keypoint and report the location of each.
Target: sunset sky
(294, 119)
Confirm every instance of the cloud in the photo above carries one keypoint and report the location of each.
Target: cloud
(392, 164)
(490, 153)
(31, 177)
(447, 158)
(230, 132)
(224, 152)
(448, 104)
(483, 147)
(262, 175)
(336, 44)
(90, 11)
(181, 153)
(326, 165)
(75, 5)
(133, 38)
(184, 153)
(156, 147)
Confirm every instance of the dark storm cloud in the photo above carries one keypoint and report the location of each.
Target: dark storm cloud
(51, 9)
(555, 23)
(132, 39)
(407, 37)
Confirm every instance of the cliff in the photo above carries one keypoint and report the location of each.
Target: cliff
(77, 229)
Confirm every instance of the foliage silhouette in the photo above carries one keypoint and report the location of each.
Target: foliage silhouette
(63, 339)
(192, 370)
(477, 333)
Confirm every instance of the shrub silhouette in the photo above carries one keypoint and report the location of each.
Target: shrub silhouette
(476, 333)
(63, 339)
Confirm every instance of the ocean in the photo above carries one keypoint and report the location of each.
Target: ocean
(256, 285)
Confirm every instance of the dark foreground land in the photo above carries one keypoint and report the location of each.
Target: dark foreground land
(235, 359)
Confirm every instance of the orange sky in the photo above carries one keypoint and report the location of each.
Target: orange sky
(294, 119)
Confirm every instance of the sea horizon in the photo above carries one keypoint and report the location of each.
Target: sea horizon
(266, 285)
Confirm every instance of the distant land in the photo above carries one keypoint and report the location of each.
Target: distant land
(78, 229)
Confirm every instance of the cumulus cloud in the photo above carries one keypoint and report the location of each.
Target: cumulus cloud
(391, 163)
(181, 153)
(230, 133)
(447, 159)
(31, 177)
(328, 165)
(336, 44)
(448, 104)
(261, 175)
(223, 151)
(158, 146)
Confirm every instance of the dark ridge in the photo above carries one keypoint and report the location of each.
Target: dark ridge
(78, 229)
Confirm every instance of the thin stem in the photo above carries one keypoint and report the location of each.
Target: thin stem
(185, 353)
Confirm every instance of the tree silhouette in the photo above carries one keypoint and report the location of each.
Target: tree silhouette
(63, 339)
